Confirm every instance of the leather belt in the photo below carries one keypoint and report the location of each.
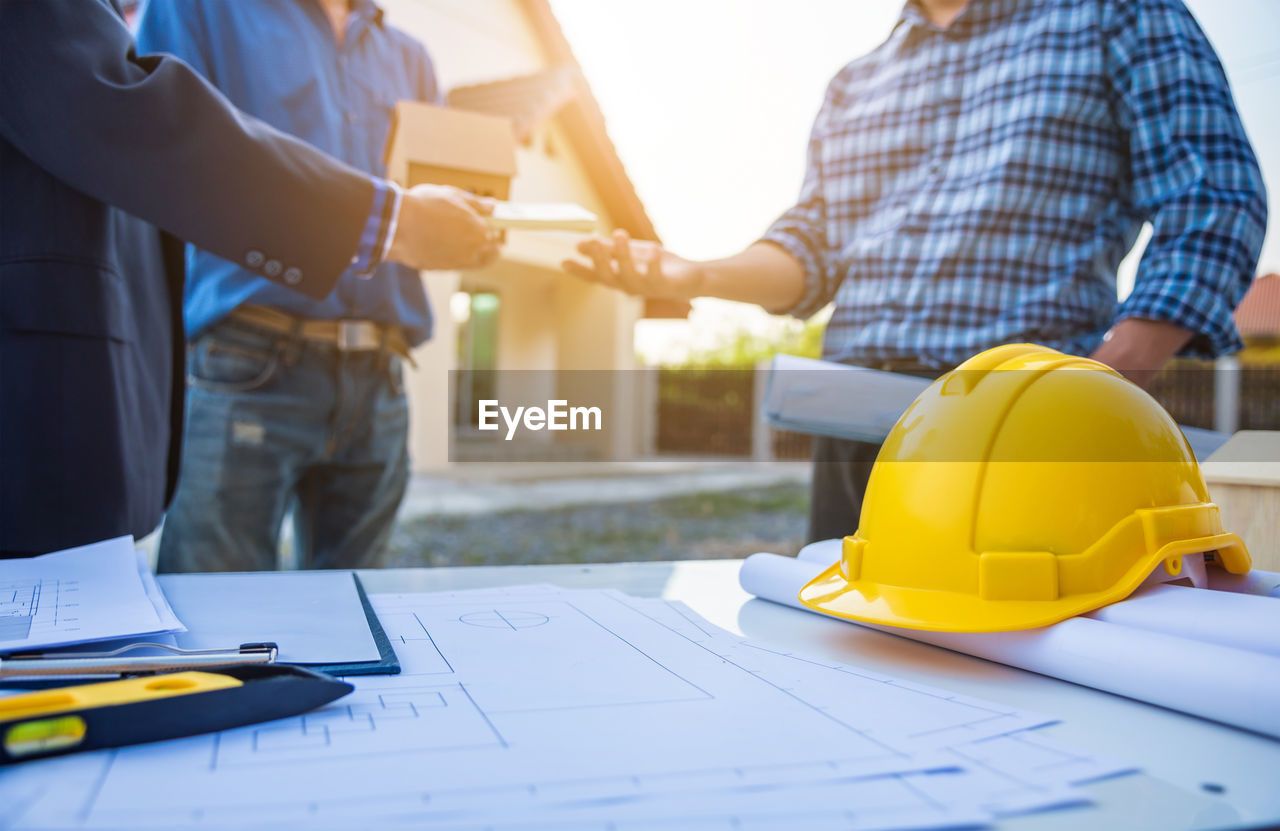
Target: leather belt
(342, 335)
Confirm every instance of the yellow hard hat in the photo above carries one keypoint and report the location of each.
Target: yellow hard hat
(1008, 499)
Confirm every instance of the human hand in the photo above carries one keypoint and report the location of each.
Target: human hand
(638, 267)
(1138, 347)
(443, 228)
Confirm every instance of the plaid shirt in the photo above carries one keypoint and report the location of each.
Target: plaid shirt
(979, 185)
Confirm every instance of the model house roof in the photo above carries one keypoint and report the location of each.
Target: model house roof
(584, 123)
(1258, 315)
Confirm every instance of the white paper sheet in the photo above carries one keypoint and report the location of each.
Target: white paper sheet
(85, 594)
(557, 709)
(315, 617)
(168, 618)
(1225, 684)
(542, 216)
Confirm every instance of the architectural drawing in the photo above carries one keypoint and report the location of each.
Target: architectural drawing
(578, 709)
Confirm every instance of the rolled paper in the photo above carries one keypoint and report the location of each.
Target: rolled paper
(1244, 621)
(1261, 583)
(1222, 683)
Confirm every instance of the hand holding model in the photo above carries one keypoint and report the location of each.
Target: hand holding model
(443, 228)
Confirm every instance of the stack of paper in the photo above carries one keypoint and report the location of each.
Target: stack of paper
(537, 707)
(542, 216)
(98, 592)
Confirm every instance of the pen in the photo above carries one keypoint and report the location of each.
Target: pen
(119, 662)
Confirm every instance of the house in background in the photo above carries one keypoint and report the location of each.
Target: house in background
(1258, 319)
(509, 58)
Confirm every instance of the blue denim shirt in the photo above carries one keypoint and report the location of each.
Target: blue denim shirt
(279, 61)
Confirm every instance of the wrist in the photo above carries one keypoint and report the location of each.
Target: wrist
(1140, 347)
(702, 279)
(393, 222)
(400, 239)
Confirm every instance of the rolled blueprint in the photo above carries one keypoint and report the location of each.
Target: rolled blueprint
(1264, 583)
(1222, 683)
(824, 398)
(1243, 621)
(1232, 616)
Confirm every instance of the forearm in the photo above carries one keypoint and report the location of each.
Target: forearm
(1139, 347)
(153, 138)
(762, 274)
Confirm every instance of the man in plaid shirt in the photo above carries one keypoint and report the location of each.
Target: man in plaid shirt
(977, 179)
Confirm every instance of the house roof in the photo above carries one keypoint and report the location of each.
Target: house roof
(584, 124)
(527, 100)
(1258, 315)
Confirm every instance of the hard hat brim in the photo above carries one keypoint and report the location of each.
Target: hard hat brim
(941, 611)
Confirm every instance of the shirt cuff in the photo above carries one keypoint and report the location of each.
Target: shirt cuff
(1191, 304)
(803, 250)
(379, 228)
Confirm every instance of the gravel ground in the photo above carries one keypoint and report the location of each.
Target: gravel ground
(696, 526)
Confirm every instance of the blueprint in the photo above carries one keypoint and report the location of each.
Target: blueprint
(536, 707)
(94, 592)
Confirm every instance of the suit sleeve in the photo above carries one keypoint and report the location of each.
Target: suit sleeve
(150, 136)
(171, 26)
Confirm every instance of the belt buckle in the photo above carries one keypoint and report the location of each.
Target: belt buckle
(357, 336)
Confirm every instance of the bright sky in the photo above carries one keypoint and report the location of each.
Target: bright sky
(709, 103)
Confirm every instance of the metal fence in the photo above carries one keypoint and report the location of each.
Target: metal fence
(712, 411)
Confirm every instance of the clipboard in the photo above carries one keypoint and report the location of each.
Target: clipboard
(387, 663)
(312, 619)
(320, 620)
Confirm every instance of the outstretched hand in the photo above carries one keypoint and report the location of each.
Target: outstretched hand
(443, 228)
(637, 267)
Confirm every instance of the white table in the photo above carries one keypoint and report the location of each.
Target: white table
(1197, 774)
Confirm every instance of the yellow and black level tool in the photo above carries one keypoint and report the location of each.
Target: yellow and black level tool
(52, 722)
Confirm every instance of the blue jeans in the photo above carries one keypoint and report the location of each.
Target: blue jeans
(276, 425)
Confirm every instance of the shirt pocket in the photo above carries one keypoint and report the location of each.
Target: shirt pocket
(869, 153)
(375, 107)
(65, 296)
(289, 90)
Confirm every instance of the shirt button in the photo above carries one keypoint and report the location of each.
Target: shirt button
(272, 268)
(293, 276)
(255, 259)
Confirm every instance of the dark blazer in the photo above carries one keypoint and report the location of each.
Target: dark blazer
(107, 159)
